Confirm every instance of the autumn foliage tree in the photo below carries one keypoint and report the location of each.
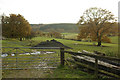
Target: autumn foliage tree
(96, 23)
(15, 26)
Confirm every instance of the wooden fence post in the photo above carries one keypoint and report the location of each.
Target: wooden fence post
(96, 67)
(62, 56)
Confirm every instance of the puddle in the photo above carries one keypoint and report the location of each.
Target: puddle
(4, 55)
(33, 53)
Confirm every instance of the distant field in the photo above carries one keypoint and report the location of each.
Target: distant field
(70, 35)
(114, 39)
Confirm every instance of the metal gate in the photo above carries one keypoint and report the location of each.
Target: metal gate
(30, 57)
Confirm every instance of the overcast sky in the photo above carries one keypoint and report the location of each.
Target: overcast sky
(54, 11)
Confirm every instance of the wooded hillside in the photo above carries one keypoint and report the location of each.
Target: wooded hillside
(61, 27)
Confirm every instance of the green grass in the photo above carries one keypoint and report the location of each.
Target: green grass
(70, 35)
(110, 50)
(114, 39)
(14, 43)
(66, 72)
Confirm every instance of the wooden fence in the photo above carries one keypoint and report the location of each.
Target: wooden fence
(97, 62)
(29, 61)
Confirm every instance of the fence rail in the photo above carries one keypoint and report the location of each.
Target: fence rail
(91, 55)
(33, 47)
(15, 62)
(80, 59)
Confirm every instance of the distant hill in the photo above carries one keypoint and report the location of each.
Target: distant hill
(61, 27)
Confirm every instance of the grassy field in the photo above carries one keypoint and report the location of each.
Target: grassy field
(114, 39)
(66, 72)
(110, 49)
(70, 35)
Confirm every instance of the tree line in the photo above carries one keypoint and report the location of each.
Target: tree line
(95, 23)
(16, 26)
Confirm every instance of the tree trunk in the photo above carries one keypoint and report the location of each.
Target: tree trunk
(99, 43)
(20, 39)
